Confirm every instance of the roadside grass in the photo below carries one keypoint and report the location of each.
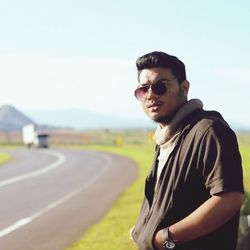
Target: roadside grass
(4, 157)
(112, 232)
(245, 153)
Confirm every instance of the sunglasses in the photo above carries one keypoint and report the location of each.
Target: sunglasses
(158, 88)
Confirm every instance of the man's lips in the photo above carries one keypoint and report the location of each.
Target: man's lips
(154, 106)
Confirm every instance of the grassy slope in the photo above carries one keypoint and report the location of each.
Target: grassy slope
(112, 232)
(245, 153)
(4, 157)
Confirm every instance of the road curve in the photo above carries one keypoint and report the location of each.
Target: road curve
(50, 197)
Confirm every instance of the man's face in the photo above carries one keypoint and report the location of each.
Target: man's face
(161, 108)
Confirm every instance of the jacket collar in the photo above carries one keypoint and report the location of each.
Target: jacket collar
(162, 135)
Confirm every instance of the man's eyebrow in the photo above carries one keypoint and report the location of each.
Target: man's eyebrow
(160, 80)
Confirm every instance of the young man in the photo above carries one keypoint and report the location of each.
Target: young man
(194, 190)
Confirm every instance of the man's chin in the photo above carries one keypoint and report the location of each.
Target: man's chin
(162, 119)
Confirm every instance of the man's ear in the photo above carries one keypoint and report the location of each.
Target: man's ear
(185, 87)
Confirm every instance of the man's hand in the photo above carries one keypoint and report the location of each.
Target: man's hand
(158, 240)
(212, 214)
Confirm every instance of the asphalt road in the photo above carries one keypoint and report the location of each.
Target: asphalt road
(48, 198)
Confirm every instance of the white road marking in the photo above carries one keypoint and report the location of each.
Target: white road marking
(24, 221)
(57, 163)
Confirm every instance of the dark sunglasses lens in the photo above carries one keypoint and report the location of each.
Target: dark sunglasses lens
(141, 93)
(159, 88)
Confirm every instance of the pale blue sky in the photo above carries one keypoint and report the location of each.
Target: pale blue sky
(81, 54)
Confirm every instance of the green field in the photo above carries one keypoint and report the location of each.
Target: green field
(111, 233)
(4, 157)
(245, 153)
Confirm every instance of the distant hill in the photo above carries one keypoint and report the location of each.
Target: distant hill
(83, 119)
(12, 119)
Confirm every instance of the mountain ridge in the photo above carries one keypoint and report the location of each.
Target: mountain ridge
(84, 119)
(12, 119)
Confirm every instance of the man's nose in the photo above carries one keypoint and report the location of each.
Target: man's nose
(151, 93)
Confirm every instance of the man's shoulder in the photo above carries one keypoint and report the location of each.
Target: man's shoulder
(201, 121)
(206, 118)
(211, 118)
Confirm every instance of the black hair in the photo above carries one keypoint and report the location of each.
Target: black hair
(158, 59)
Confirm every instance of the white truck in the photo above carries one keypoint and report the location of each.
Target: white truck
(31, 137)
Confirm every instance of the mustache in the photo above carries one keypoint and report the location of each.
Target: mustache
(153, 103)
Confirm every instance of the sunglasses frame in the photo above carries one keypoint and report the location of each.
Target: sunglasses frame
(158, 88)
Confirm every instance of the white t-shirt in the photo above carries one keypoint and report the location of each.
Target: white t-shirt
(165, 151)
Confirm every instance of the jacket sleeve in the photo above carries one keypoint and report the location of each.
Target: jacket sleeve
(221, 164)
